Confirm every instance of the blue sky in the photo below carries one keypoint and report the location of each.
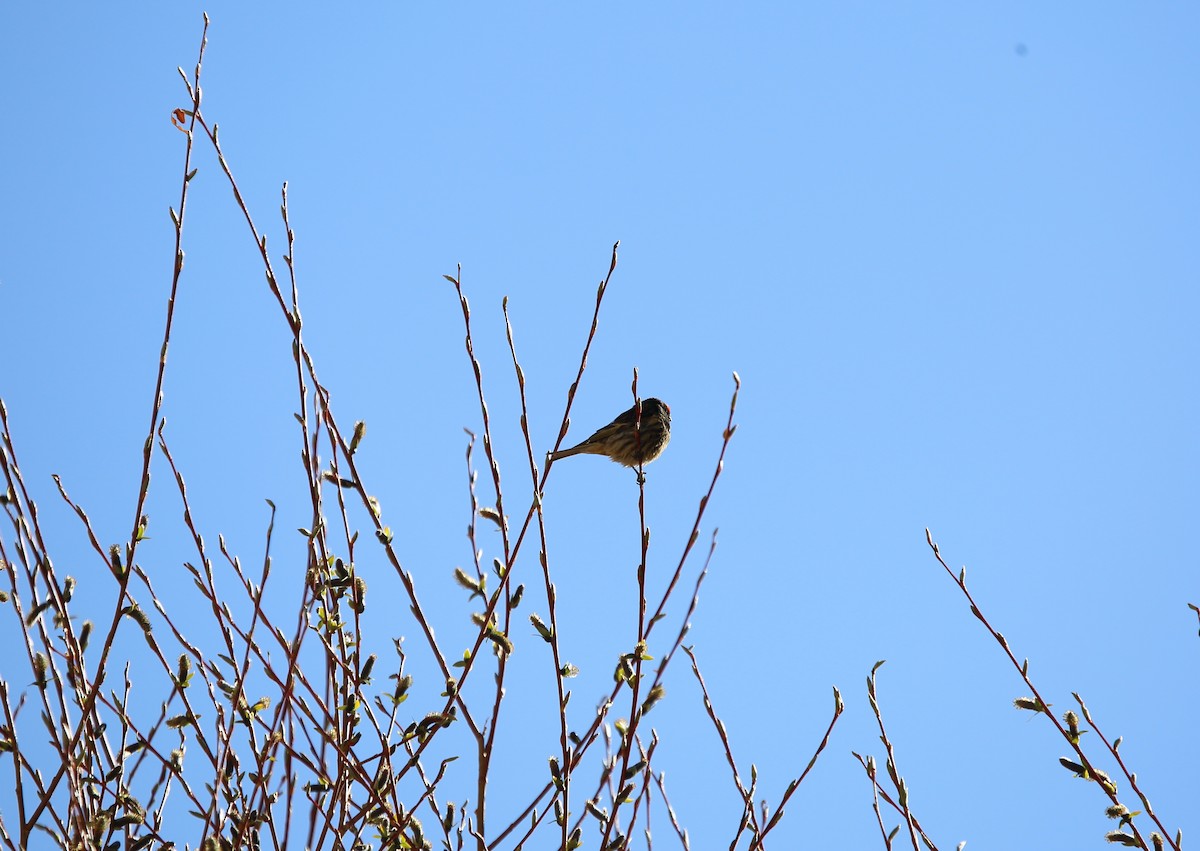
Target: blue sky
(949, 248)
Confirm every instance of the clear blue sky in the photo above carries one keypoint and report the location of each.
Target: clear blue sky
(951, 250)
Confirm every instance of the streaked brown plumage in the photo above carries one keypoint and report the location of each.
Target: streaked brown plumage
(624, 443)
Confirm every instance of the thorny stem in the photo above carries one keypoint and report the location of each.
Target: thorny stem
(87, 706)
(629, 736)
(484, 741)
(551, 599)
(910, 820)
(1023, 671)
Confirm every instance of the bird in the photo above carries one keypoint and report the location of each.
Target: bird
(623, 442)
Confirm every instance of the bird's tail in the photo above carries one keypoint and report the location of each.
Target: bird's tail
(578, 449)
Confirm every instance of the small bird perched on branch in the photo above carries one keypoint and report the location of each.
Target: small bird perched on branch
(623, 442)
